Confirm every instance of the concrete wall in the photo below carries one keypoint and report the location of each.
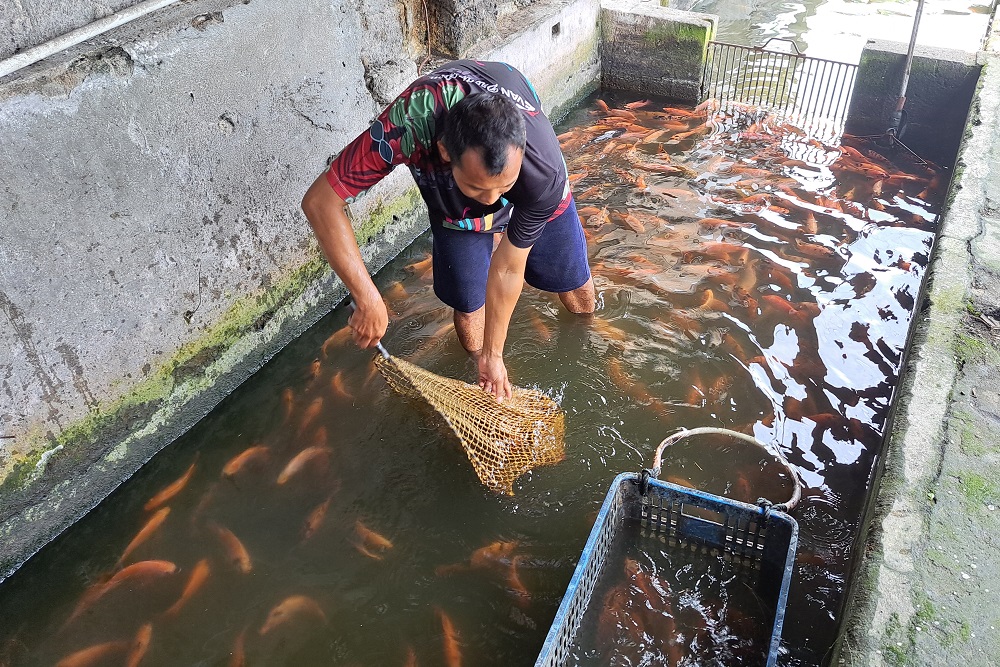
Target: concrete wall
(152, 251)
(650, 49)
(938, 94)
(27, 23)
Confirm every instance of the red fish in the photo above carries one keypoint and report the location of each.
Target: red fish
(315, 519)
(145, 533)
(369, 542)
(450, 638)
(251, 457)
(313, 458)
(94, 655)
(194, 583)
(236, 553)
(311, 414)
(141, 572)
(170, 491)
(139, 645)
(295, 607)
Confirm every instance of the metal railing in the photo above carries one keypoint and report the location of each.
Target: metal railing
(813, 93)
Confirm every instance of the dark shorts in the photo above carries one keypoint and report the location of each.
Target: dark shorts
(556, 263)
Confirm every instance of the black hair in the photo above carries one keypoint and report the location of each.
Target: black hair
(489, 122)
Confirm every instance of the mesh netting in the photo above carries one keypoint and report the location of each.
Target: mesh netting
(502, 440)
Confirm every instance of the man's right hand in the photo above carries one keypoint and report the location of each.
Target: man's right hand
(369, 322)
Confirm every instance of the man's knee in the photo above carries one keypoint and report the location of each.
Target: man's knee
(469, 328)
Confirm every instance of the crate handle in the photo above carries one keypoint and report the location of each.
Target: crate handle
(711, 430)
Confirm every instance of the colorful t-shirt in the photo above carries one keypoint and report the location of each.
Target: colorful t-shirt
(407, 131)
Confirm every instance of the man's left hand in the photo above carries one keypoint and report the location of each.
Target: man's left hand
(493, 377)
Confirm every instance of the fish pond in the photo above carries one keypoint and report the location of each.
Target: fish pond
(748, 277)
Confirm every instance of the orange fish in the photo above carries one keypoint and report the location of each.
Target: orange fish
(292, 607)
(339, 390)
(411, 657)
(601, 104)
(94, 654)
(541, 329)
(236, 553)
(194, 583)
(452, 645)
(139, 645)
(142, 571)
(632, 106)
(515, 584)
(370, 537)
(145, 533)
(336, 339)
(288, 402)
(238, 656)
(312, 412)
(314, 458)
(170, 491)
(315, 519)
(250, 457)
(420, 266)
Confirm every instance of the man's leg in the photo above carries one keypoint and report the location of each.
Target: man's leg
(469, 327)
(582, 300)
(558, 263)
(461, 265)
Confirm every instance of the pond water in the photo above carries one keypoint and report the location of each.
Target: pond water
(748, 277)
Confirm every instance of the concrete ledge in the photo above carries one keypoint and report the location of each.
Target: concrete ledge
(926, 590)
(650, 49)
(940, 88)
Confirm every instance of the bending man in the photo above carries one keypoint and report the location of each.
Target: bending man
(487, 162)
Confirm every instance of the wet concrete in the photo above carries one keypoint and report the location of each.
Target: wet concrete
(927, 587)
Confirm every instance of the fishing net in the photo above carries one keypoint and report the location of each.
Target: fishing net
(502, 440)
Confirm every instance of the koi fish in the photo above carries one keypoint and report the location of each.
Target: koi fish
(194, 583)
(339, 390)
(314, 458)
(170, 490)
(632, 106)
(253, 456)
(145, 533)
(236, 553)
(291, 608)
(420, 266)
(93, 654)
(139, 645)
(315, 519)
(452, 645)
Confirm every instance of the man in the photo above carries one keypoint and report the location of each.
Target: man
(487, 162)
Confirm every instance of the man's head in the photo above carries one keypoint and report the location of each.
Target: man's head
(483, 138)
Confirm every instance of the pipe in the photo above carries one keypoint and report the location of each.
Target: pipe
(72, 38)
(898, 115)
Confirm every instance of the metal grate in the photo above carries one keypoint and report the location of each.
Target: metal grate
(812, 93)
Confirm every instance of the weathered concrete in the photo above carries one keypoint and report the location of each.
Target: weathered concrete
(927, 584)
(650, 49)
(28, 24)
(938, 93)
(152, 251)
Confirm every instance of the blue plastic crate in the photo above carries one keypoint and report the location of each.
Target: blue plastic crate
(759, 537)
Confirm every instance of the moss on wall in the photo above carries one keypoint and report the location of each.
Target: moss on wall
(669, 34)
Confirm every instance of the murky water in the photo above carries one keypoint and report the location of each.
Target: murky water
(747, 278)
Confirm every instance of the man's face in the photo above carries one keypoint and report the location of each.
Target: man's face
(475, 181)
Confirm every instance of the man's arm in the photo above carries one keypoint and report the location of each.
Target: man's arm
(503, 287)
(325, 211)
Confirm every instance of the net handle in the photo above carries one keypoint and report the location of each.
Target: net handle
(711, 430)
(378, 345)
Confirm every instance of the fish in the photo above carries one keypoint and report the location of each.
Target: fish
(411, 657)
(315, 519)
(370, 538)
(316, 458)
(287, 403)
(450, 639)
(238, 656)
(145, 533)
(339, 390)
(337, 339)
(634, 389)
(140, 645)
(420, 266)
(632, 106)
(236, 553)
(292, 608)
(141, 572)
(199, 574)
(254, 456)
(713, 304)
(170, 490)
(541, 329)
(94, 654)
(312, 412)
(515, 584)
